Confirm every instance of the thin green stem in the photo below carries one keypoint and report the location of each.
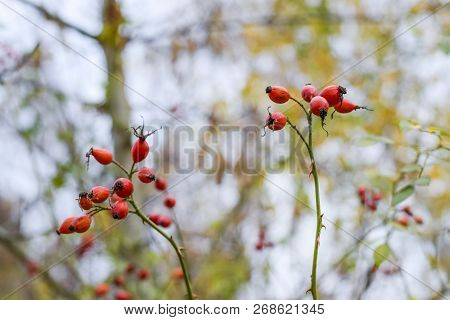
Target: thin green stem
(300, 104)
(121, 167)
(309, 146)
(177, 249)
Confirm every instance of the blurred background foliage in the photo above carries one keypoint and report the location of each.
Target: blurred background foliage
(80, 73)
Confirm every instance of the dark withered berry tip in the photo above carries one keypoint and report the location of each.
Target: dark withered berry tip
(71, 228)
(268, 89)
(342, 90)
(58, 233)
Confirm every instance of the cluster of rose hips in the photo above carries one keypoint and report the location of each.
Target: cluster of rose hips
(119, 283)
(406, 214)
(118, 195)
(369, 198)
(319, 103)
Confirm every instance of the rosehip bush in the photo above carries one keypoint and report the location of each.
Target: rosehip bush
(117, 201)
(331, 97)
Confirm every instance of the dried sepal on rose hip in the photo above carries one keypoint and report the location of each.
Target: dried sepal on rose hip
(140, 148)
(64, 228)
(123, 187)
(275, 121)
(319, 107)
(84, 202)
(102, 156)
(99, 194)
(146, 175)
(278, 94)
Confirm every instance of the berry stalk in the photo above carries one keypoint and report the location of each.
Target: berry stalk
(177, 249)
(309, 146)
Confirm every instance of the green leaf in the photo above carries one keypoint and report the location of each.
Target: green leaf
(381, 254)
(411, 168)
(408, 125)
(371, 140)
(423, 181)
(403, 194)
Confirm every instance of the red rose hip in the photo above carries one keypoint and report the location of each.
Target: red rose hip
(146, 175)
(123, 187)
(84, 202)
(319, 106)
(99, 194)
(170, 201)
(119, 210)
(333, 94)
(309, 92)
(276, 121)
(278, 94)
(81, 224)
(101, 155)
(161, 184)
(65, 226)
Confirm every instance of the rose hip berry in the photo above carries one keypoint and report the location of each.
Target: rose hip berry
(402, 220)
(160, 184)
(65, 226)
(81, 224)
(123, 187)
(309, 92)
(154, 217)
(346, 106)
(140, 149)
(170, 201)
(119, 210)
(333, 94)
(101, 155)
(84, 202)
(164, 221)
(177, 273)
(99, 194)
(276, 121)
(319, 106)
(130, 268)
(278, 94)
(101, 290)
(146, 175)
(123, 295)
(119, 280)
(143, 274)
(114, 198)
(418, 219)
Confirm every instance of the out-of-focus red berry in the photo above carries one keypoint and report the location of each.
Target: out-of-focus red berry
(170, 201)
(101, 290)
(123, 295)
(161, 184)
(143, 274)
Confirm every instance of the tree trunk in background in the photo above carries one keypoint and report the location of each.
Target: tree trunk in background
(116, 104)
